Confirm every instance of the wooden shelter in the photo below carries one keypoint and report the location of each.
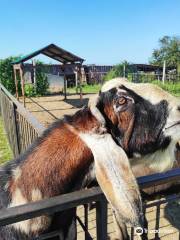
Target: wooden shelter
(54, 52)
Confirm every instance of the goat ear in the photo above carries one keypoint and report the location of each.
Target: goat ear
(115, 177)
(93, 102)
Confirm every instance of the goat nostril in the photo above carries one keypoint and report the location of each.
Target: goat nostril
(141, 220)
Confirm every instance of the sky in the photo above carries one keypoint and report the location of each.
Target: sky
(100, 31)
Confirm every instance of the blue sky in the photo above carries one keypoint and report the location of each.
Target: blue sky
(101, 31)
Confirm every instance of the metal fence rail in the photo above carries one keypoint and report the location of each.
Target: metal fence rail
(20, 125)
(58, 204)
(83, 197)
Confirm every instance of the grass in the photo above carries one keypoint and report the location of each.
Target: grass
(5, 151)
(174, 89)
(86, 89)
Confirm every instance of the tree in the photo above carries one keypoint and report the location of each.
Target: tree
(168, 50)
(42, 80)
(7, 78)
(118, 71)
(41, 86)
(6, 74)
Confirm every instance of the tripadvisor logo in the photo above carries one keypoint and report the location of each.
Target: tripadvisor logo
(139, 231)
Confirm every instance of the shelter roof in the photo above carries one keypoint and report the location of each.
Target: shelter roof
(54, 52)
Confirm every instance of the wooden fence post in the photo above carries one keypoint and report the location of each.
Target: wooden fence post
(164, 72)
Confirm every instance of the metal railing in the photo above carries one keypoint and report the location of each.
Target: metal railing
(58, 204)
(20, 125)
(83, 197)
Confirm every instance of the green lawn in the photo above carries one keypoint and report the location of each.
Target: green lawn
(5, 151)
(86, 89)
(174, 89)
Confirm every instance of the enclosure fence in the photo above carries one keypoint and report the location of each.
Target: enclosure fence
(138, 77)
(22, 128)
(20, 125)
(141, 77)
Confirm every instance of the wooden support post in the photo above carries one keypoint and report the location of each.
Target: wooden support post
(76, 78)
(80, 83)
(164, 72)
(124, 71)
(16, 82)
(34, 73)
(22, 84)
(65, 81)
(65, 87)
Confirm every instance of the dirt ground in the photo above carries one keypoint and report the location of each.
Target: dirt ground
(47, 110)
(50, 108)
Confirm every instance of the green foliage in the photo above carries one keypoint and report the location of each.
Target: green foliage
(30, 90)
(6, 74)
(118, 71)
(7, 78)
(168, 50)
(42, 84)
(173, 88)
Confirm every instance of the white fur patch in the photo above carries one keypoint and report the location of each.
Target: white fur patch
(17, 198)
(17, 173)
(23, 226)
(36, 195)
(148, 91)
(114, 83)
(159, 161)
(114, 175)
(31, 225)
(39, 223)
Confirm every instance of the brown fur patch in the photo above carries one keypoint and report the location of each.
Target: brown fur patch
(126, 123)
(109, 111)
(58, 161)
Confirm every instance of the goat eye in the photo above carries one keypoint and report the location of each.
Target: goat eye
(122, 100)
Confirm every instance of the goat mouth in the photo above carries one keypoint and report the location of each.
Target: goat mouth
(177, 153)
(174, 124)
